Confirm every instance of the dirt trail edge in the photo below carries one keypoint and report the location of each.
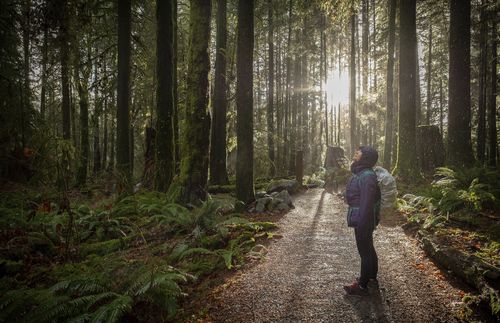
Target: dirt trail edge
(302, 276)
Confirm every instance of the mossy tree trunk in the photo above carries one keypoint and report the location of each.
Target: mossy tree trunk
(165, 153)
(406, 164)
(218, 170)
(459, 147)
(244, 101)
(389, 117)
(195, 144)
(123, 163)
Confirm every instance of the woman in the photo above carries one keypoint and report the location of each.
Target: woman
(363, 197)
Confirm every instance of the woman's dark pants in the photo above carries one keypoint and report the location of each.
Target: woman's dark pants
(369, 260)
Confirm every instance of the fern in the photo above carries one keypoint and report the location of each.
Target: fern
(113, 311)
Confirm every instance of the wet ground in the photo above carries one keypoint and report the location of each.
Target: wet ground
(302, 276)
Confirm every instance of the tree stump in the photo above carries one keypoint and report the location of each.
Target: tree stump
(430, 148)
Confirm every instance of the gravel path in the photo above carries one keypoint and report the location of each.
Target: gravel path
(302, 276)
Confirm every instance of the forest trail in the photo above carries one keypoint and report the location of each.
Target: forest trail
(302, 276)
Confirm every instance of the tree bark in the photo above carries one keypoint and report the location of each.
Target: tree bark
(287, 123)
(352, 88)
(492, 107)
(81, 82)
(43, 90)
(177, 145)
(165, 148)
(429, 77)
(481, 113)
(123, 163)
(95, 122)
(407, 157)
(270, 98)
(459, 152)
(64, 57)
(389, 117)
(244, 101)
(195, 144)
(218, 170)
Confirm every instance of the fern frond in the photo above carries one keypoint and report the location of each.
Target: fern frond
(81, 286)
(112, 312)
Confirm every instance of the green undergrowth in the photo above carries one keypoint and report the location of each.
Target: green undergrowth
(111, 261)
(461, 208)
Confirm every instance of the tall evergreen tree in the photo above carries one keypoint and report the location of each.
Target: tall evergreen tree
(407, 155)
(164, 165)
(270, 97)
(218, 170)
(64, 57)
(195, 144)
(481, 113)
(389, 117)
(352, 87)
(123, 163)
(459, 152)
(244, 101)
(492, 102)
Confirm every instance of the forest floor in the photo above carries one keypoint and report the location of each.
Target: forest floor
(302, 276)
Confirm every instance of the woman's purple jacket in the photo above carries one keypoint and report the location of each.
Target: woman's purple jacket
(364, 192)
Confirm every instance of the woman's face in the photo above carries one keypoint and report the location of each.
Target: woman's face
(357, 155)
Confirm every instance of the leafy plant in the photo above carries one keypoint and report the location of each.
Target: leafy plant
(92, 299)
(460, 190)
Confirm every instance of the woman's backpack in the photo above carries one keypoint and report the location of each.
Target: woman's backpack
(388, 188)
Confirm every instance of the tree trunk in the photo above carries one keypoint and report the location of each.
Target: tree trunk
(81, 82)
(294, 127)
(105, 130)
(481, 113)
(26, 64)
(459, 152)
(64, 46)
(165, 149)
(244, 101)
(429, 77)
(123, 163)
(95, 122)
(441, 108)
(218, 170)
(418, 97)
(352, 88)
(43, 89)
(270, 98)
(338, 125)
(492, 108)
(177, 148)
(287, 123)
(407, 156)
(365, 125)
(389, 117)
(430, 148)
(195, 144)
(323, 78)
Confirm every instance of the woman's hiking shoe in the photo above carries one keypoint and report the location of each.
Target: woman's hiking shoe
(356, 289)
